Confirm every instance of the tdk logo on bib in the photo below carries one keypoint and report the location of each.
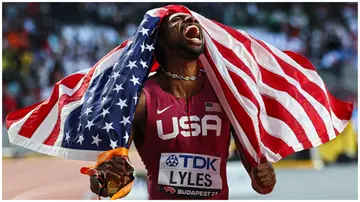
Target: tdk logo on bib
(172, 161)
(198, 162)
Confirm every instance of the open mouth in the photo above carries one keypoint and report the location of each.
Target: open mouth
(192, 33)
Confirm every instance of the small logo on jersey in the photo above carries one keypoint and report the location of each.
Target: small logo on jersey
(172, 161)
(169, 189)
(213, 107)
(162, 111)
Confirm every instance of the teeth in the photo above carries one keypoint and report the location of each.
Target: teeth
(190, 26)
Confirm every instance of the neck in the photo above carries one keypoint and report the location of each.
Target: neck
(182, 88)
(183, 68)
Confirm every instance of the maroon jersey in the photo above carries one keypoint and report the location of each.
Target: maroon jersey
(186, 145)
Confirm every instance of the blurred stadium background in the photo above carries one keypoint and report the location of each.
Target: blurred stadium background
(43, 42)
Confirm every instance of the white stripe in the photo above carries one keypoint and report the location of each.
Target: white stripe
(66, 110)
(220, 94)
(277, 127)
(47, 125)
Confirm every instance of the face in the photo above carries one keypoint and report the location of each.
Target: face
(182, 34)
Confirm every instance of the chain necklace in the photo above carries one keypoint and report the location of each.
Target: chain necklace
(175, 76)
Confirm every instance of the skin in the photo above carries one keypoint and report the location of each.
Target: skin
(180, 58)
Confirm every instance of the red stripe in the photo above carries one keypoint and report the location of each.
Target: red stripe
(277, 110)
(240, 114)
(66, 99)
(280, 83)
(15, 116)
(233, 58)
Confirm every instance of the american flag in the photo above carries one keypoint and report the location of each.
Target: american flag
(275, 100)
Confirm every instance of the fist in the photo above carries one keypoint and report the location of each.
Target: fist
(263, 178)
(114, 174)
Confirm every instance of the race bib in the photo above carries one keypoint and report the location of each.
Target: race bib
(190, 175)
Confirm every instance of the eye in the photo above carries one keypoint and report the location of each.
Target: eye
(176, 18)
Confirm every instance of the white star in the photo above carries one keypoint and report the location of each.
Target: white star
(150, 47)
(103, 100)
(96, 140)
(92, 90)
(105, 111)
(78, 129)
(89, 100)
(81, 139)
(136, 98)
(115, 75)
(108, 126)
(88, 111)
(129, 52)
(89, 124)
(125, 120)
(142, 47)
(144, 65)
(122, 103)
(118, 87)
(144, 31)
(134, 80)
(131, 64)
(67, 136)
(145, 20)
(126, 137)
(113, 144)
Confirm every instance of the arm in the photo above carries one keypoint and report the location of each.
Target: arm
(118, 169)
(263, 178)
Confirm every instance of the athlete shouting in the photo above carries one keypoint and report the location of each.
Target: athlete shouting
(180, 130)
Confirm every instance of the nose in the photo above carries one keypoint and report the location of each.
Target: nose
(191, 19)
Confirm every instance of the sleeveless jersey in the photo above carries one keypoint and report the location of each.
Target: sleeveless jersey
(186, 145)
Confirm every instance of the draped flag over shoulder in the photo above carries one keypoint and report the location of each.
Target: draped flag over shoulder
(275, 100)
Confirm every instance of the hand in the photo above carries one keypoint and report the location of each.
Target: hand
(263, 178)
(117, 172)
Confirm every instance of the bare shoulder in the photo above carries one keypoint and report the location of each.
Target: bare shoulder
(140, 112)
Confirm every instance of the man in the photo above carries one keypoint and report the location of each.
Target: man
(184, 159)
